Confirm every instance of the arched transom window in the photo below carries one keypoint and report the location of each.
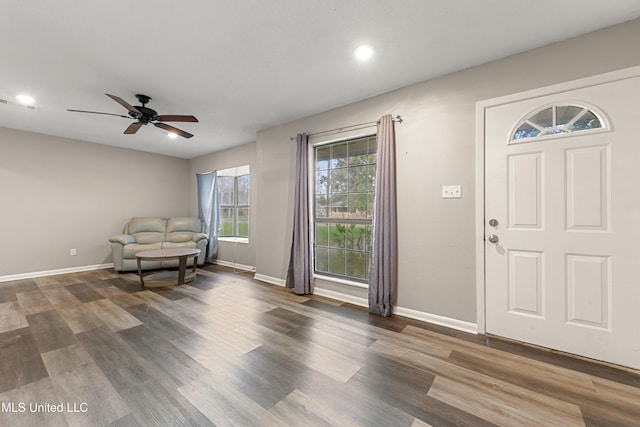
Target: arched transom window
(557, 120)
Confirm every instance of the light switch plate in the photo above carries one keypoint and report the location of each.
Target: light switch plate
(451, 191)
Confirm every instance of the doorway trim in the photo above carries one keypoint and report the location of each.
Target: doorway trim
(481, 107)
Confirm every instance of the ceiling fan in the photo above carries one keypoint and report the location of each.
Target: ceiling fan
(144, 115)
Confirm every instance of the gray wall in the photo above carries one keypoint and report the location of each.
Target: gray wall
(239, 253)
(57, 194)
(435, 147)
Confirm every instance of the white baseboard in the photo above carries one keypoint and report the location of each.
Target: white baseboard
(234, 265)
(273, 280)
(448, 322)
(362, 302)
(401, 311)
(34, 274)
(438, 320)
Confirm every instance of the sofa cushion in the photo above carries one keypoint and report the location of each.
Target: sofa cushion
(181, 229)
(130, 251)
(147, 230)
(173, 245)
(123, 239)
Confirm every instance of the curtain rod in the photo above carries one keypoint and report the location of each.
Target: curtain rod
(359, 126)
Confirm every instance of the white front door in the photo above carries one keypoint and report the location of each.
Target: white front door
(564, 272)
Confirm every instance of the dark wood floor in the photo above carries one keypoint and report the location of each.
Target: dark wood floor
(228, 350)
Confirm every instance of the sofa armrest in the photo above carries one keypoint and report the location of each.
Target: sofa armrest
(123, 239)
(199, 236)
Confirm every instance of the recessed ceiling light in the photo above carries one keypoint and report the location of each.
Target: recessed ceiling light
(172, 135)
(26, 99)
(363, 52)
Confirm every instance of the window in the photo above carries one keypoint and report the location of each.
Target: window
(557, 120)
(234, 202)
(344, 182)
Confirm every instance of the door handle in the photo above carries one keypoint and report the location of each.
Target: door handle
(493, 238)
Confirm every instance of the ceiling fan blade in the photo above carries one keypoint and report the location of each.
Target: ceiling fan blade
(172, 129)
(133, 128)
(124, 103)
(174, 118)
(98, 112)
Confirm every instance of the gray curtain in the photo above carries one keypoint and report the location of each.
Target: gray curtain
(383, 270)
(209, 210)
(300, 273)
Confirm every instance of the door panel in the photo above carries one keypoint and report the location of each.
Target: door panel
(587, 188)
(525, 190)
(565, 270)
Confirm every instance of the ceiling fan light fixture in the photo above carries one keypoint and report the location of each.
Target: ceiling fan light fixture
(25, 99)
(172, 135)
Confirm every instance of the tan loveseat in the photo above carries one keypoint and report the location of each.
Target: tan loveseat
(149, 233)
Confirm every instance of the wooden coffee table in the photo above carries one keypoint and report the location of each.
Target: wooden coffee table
(168, 278)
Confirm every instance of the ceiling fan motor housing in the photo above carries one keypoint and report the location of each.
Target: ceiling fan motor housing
(146, 114)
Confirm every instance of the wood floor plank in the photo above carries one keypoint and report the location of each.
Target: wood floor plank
(119, 297)
(453, 385)
(420, 423)
(505, 409)
(532, 374)
(33, 302)
(58, 295)
(79, 317)
(83, 292)
(11, 316)
(175, 309)
(233, 343)
(169, 293)
(58, 280)
(224, 405)
(298, 409)
(113, 315)
(510, 364)
(613, 404)
(355, 350)
(265, 376)
(80, 382)
(50, 331)
(158, 322)
(21, 360)
(216, 358)
(407, 388)
(7, 292)
(128, 420)
(362, 407)
(333, 364)
(153, 406)
(123, 367)
(30, 395)
(168, 358)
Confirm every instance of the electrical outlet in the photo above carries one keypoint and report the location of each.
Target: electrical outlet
(72, 252)
(451, 191)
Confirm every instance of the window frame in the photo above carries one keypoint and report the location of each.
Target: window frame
(559, 130)
(327, 276)
(236, 207)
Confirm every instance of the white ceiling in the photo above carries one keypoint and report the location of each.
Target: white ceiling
(246, 65)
